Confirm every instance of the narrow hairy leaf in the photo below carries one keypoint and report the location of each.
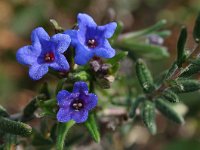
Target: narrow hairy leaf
(148, 116)
(117, 31)
(135, 105)
(92, 127)
(31, 107)
(62, 130)
(171, 71)
(15, 127)
(57, 27)
(168, 112)
(10, 142)
(60, 84)
(192, 69)
(181, 47)
(160, 24)
(119, 56)
(184, 86)
(3, 112)
(163, 33)
(45, 90)
(196, 30)
(145, 50)
(144, 76)
(170, 96)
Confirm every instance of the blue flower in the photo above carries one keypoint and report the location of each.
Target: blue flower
(44, 52)
(76, 105)
(91, 40)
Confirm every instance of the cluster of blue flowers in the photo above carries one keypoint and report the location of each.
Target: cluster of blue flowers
(46, 52)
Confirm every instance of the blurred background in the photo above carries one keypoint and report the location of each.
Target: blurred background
(19, 17)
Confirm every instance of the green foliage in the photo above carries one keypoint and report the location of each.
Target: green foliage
(15, 127)
(62, 130)
(31, 107)
(118, 57)
(144, 50)
(192, 69)
(186, 85)
(168, 112)
(3, 112)
(181, 47)
(135, 105)
(170, 96)
(160, 24)
(149, 116)
(144, 76)
(92, 127)
(56, 26)
(196, 30)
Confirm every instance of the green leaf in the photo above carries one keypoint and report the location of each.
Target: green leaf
(30, 108)
(57, 27)
(117, 31)
(144, 76)
(149, 116)
(119, 56)
(114, 68)
(192, 69)
(45, 90)
(187, 85)
(39, 140)
(3, 112)
(164, 33)
(196, 30)
(62, 130)
(170, 96)
(15, 127)
(10, 142)
(166, 109)
(145, 50)
(135, 105)
(91, 125)
(79, 76)
(60, 85)
(171, 71)
(181, 47)
(146, 31)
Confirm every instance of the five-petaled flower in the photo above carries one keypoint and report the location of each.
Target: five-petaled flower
(91, 40)
(76, 105)
(44, 52)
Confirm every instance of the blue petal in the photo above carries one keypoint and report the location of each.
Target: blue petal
(106, 51)
(64, 115)
(61, 41)
(26, 55)
(60, 64)
(47, 46)
(63, 98)
(79, 116)
(85, 20)
(108, 29)
(36, 72)
(73, 36)
(37, 36)
(91, 101)
(82, 55)
(80, 87)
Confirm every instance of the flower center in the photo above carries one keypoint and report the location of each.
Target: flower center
(91, 43)
(49, 57)
(77, 105)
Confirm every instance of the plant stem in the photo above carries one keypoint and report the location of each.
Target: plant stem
(194, 53)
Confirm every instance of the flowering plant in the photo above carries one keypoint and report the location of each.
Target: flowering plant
(85, 60)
